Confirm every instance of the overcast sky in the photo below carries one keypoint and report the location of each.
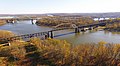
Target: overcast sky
(58, 6)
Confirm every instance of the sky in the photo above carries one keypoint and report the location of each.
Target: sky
(58, 6)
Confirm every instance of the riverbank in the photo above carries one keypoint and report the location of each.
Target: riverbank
(115, 27)
(2, 22)
(112, 30)
(5, 34)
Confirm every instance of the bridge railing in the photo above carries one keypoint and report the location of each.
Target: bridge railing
(62, 29)
(23, 36)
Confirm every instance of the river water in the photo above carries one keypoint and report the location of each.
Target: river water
(26, 27)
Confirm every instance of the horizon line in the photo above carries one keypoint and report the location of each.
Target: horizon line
(55, 13)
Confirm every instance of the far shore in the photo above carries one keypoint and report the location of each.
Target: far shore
(2, 22)
(113, 30)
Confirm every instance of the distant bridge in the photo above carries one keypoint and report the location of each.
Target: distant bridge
(13, 20)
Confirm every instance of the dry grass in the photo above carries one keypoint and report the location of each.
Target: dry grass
(6, 34)
(53, 52)
(2, 22)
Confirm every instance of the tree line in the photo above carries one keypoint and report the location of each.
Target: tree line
(55, 20)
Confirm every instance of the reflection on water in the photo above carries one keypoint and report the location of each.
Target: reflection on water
(26, 27)
(91, 37)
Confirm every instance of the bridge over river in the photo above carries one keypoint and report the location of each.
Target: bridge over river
(50, 33)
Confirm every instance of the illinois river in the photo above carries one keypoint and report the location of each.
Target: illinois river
(26, 27)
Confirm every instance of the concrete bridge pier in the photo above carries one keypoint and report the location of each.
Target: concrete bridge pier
(13, 22)
(51, 32)
(83, 29)
(77, 30)
(47, 35)
(7, 21)
(33, 21)
(10, 21)
(95, 27)
(91, 28)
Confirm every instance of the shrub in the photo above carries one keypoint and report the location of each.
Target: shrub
(55, 52)
(4, 34)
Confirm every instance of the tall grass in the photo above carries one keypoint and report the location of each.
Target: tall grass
(53, 52)
(6, 34)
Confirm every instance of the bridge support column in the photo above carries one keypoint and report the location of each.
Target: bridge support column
(83, 29)
(77, 30)
(90, 28)
(7, 21)
(95, 27)
(51, 32)
(47, 35)
(32, 21)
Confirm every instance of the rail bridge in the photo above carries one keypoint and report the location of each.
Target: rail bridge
(50, 33)
(70, 25)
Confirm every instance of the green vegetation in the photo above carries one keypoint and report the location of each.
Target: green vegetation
(55, 20)
(2, 22)
(53, 52)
